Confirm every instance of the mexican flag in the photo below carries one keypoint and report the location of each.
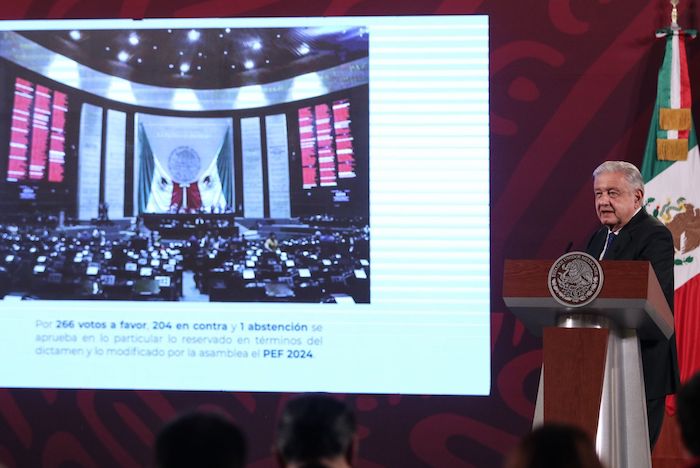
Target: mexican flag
(215, 184)
(155, 184)
(160, 191)
(671, 171)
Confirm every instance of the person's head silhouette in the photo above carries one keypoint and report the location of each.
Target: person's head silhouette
(316, 431)
(199, 439)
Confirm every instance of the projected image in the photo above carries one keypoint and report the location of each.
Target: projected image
(208, 187)
(213, 164)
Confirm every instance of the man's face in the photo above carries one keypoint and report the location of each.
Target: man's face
(615, 199)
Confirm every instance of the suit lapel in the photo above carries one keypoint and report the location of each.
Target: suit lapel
(597, 243)
(624, 237)
(621, 241)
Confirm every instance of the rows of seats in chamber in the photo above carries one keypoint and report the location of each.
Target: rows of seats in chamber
(193, 258)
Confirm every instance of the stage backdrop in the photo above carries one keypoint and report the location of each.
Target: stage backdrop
(572, 84)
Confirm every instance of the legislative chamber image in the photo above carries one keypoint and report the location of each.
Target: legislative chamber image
(210, 164)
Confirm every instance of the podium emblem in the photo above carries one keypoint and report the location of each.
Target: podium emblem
(575, 279)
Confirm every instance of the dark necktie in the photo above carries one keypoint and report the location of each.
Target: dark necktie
(609, 245)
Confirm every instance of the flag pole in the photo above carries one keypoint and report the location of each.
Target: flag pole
(674, 28)
(674, 15)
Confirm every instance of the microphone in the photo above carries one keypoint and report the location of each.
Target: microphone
(569, 246)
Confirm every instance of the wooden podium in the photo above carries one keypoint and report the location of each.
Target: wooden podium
(592, 371)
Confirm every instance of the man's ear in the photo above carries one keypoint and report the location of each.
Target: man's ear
(639, 196)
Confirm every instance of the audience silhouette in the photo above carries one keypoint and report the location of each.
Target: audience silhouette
(316, 431)
(688, 405)
(555, 446)
(202, 440)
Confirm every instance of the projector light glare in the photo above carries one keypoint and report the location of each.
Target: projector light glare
(249, 64)
(75, 35)
(123, 56)
(133, 39)
(193, 35)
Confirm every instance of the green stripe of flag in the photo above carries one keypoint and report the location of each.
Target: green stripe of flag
(651, 166)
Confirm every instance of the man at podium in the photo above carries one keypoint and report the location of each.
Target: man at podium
(630, 233)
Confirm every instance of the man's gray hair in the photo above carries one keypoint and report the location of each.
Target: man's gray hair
(629, 170)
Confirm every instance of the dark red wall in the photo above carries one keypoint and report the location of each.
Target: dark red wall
(572, 84)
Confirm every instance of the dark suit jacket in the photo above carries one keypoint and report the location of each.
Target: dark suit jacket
(646, 238)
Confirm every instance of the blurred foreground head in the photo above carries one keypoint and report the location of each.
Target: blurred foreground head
(688, 404)
(316, 431)
(555, 446)
(202, 440)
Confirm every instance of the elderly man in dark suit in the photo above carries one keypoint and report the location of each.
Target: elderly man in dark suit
(630, 233)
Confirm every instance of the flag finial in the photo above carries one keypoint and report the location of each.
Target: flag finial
(674, 14)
